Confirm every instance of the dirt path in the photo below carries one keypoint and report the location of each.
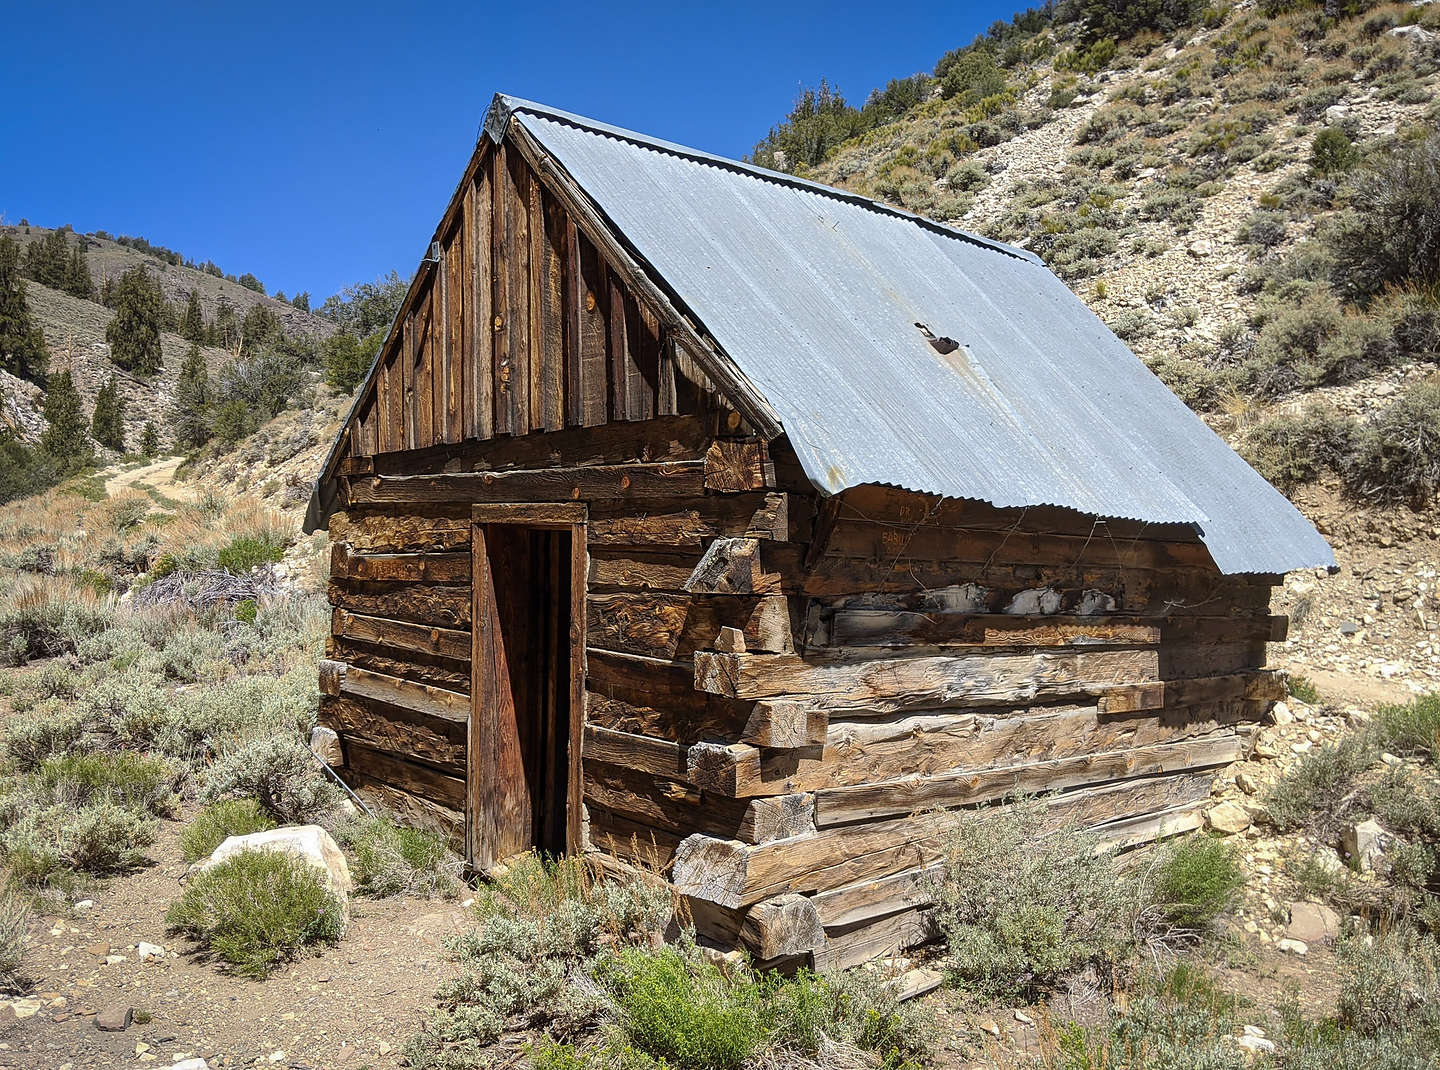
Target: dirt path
(354, 1005)
(157, 476)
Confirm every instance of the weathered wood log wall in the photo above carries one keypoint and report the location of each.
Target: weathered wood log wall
(789, 700)
(939, 656)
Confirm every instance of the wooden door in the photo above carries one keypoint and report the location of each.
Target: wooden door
(527, 681)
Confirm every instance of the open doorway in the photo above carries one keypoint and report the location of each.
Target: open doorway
(527, 680)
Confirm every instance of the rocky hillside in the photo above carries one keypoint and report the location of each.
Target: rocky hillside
(1190, 188)
(74, 330)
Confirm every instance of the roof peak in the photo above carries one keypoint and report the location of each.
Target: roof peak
(504, 106)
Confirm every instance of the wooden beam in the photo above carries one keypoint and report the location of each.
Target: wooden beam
(908, 683)
(406, 567)
(736, 465)
(861, 627)
(402, 635)
(1262, 685)
(392, 691)
(548, 484)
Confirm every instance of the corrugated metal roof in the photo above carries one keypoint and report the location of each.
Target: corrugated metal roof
(815, 294)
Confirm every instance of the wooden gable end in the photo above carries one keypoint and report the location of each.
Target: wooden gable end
(517, 323)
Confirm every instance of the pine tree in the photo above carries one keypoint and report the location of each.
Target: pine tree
(192, 326)
(47, 260)
(22, 346)
(107, 425)
(225, 329)
(192, 402)
(64, 438)
(134, 333)
(77, 276)
(149, 440)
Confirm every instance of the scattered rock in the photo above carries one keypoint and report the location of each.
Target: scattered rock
(1349, 627)
(1280, 714)
(1023, 1018)
(989, 1025)
(1415, 35)
(309, 843)
(1247, 782)
(84, 906)
(1365, 842)
(190, 1064)
(1227, 817)
(115, 1018)
(1312, 922)
(149, 952)
(1257, 1045)
(1294, 947)
(98, 950)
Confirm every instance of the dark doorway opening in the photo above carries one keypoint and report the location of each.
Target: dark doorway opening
(524, 750)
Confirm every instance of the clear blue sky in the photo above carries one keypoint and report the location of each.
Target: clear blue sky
(317, 144)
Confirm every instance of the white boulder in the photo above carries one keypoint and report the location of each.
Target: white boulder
(309, 843)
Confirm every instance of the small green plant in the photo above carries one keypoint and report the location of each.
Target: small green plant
(246, 552)
(257, 910)
(686, 1013)
(216, 823)
(1301, 688)
(1309, 792)
(246, 610)
(1391, 983)
(1197, 879)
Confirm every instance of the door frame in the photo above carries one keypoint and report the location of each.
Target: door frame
(553, 516)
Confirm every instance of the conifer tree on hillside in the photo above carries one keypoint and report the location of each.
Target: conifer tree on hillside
(149, 440)
(77, 276)
(22, 346)
(107, 424)
(47, 260)
(192, 402)
(301, 301)
(134, 333)
(225, 330)
(192, 325)
(64, 438)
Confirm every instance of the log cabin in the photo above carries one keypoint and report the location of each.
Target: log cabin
(707, 519)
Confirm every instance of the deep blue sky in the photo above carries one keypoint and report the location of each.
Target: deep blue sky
(317, 144)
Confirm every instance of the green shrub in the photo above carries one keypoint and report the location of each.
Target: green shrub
(258, 910)
(42, 841)
(1022, 905)
(540, 924)
(14, 923)
(280, 772)
(140, 782)
(1197, 879)
(1397, 460)
(1411, 728)
(1332, 152)
(216, 823)
(686, 1013)
(246, 610)
(1291, 451)
(1179, 1019)
(246, 552)
(48, 616)
(32, 737)
(1310, 790)
(1391, 982)
(391, 859)
(1393, 236)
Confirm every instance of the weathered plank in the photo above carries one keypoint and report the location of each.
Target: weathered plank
(545, 484)
(437, 740)
(406, 568)
(402, 635)
(406, 694)
(1260, 685)
(414, 778)
(445, 606)
(409, 808)
(369, 533)
(736, 465)
(863, 802)
(889, 628)
(901, 683)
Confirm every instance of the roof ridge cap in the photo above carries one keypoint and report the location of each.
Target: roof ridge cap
(504, 107)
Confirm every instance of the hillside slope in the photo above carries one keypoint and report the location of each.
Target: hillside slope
(74, 330)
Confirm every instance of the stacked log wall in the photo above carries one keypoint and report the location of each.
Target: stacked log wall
(947, 655)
